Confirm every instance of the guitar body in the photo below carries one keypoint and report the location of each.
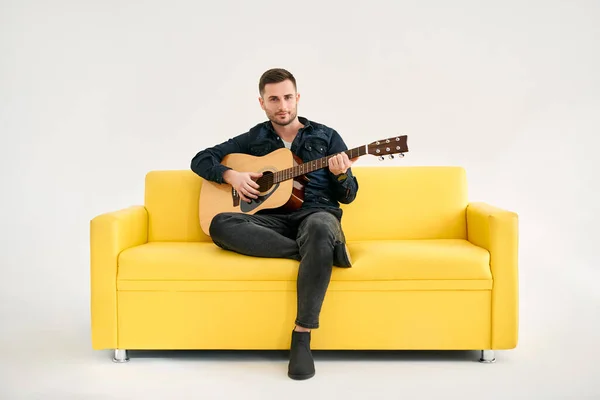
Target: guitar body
(287, 195)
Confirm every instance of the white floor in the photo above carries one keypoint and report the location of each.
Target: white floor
(557, 358)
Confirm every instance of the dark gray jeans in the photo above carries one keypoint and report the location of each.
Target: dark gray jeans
(306, 235)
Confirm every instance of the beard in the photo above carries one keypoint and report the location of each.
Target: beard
(276, 119)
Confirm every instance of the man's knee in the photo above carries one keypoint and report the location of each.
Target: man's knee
(221, 224)
(322, 226)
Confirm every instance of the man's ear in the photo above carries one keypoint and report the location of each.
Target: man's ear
(261, 102)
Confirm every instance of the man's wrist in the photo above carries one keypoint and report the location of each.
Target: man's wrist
(341, 177)
(227, 175)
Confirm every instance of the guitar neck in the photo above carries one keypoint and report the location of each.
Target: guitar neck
(291, 173)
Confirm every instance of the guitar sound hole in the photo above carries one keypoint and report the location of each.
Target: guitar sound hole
(265, 181)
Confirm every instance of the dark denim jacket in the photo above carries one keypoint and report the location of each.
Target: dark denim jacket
(313, 141)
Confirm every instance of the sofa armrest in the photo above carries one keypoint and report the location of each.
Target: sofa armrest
(110, 234)
(497, 231)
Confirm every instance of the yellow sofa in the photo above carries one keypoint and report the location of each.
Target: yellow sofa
(431, 270)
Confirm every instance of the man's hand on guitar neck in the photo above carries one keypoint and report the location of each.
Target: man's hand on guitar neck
(244, 183)
(340, 163)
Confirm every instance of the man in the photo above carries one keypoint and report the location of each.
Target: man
(312, 234)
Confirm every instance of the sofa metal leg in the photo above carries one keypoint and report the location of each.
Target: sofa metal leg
(120, 356)
(487, 356)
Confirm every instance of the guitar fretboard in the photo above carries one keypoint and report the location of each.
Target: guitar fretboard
(314, 165)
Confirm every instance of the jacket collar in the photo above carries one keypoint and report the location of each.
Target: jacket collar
(303, 121)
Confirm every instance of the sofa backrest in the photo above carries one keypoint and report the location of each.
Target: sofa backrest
(171, 199)
(392, 203)
(419, 202)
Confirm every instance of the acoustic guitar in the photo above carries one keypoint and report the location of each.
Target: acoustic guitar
(282, 181)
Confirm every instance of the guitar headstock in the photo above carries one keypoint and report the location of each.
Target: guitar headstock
(394, 145)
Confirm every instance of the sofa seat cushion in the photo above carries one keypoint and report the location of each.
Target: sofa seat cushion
(443, 264)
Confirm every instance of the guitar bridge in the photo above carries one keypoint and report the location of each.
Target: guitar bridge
(235, 197)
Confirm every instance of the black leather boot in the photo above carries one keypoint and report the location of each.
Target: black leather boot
(302, 365)
(341, 255)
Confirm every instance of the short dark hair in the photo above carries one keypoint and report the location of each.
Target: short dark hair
(275, 75)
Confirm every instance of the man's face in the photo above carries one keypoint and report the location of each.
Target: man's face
(280, 102)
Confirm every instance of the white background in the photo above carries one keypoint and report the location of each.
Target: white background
(94, 94)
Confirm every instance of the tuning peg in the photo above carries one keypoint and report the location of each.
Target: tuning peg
(381, 158)
(400, 155)
(391, 156)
